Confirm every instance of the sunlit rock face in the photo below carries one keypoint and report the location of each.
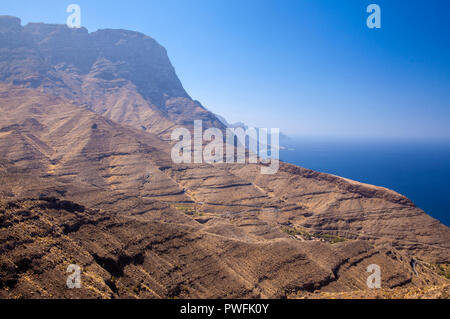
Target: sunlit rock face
(86, 178)
(123, 75)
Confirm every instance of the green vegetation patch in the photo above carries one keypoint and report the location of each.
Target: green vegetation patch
(332, 239)
(443, 270)
(190, 210)
(298, 232)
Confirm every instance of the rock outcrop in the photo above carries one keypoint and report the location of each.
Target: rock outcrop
(123, 75)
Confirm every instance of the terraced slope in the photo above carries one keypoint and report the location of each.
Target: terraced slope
(86, 177)
(123, 75)
(145, 227)
(122, 256)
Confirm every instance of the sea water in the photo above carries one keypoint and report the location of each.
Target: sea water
(418, 169)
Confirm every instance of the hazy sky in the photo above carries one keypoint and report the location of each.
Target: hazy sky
(308, 67)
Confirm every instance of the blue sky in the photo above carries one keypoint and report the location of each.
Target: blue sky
(309, 67)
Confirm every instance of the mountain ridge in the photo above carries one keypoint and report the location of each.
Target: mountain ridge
(123, 75)
(86, 177)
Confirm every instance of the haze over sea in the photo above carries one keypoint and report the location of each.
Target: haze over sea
(420, 170)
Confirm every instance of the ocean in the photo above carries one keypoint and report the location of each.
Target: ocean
(420, 170)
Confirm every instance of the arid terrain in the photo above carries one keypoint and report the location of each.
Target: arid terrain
(86, 178)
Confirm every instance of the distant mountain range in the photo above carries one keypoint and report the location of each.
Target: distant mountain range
(283, 138)
(86, 178)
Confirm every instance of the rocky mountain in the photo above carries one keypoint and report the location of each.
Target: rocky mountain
(282, 139)
(123, 75)
(86, 178)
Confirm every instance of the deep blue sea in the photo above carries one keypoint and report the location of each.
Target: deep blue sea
(420, 170)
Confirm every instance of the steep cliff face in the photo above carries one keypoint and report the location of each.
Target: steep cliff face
(82, 182)
(123, 75)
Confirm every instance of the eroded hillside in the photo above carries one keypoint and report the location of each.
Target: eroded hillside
(86, 178)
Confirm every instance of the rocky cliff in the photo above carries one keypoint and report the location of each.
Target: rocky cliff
(86, 178)
(123, 75)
